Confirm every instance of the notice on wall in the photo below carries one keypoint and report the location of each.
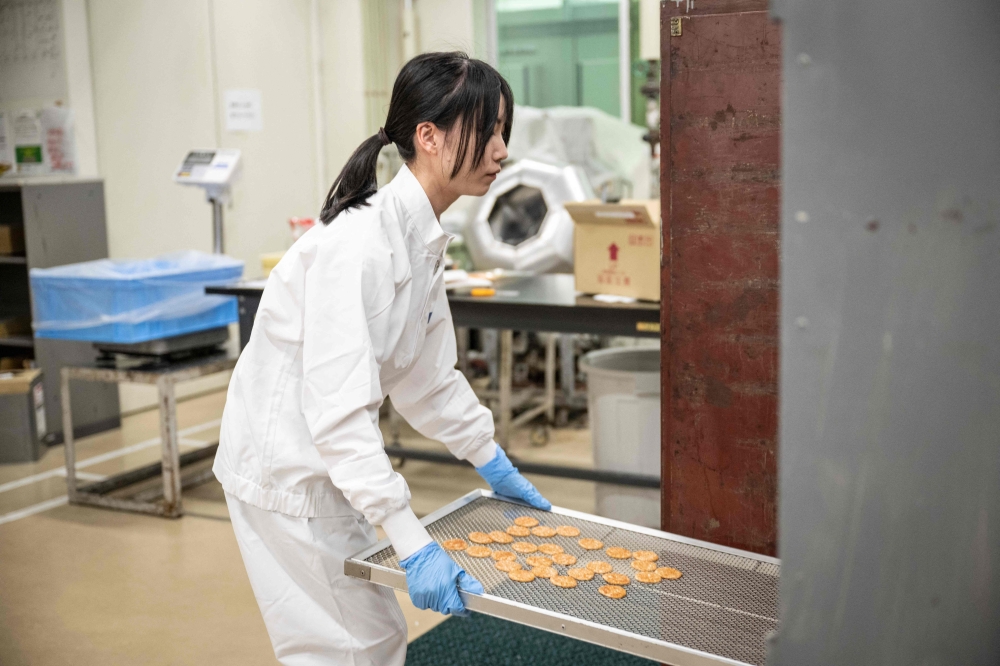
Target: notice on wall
(57, 134)
(26, 132)
(243, 111)
(37, 142)
(31, 52)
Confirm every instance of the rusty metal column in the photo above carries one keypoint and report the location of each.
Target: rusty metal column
(69, 446)
(170, 450)
(720, 188)
(550, 377)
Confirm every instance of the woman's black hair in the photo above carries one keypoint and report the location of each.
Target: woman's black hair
(441, 88)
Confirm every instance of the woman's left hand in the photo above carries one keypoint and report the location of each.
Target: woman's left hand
(505, 480)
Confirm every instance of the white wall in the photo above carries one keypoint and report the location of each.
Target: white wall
(343, 81)
(160, 71)
(445, 25)
(265, 45)
(153, 100)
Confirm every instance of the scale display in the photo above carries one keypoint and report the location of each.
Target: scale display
(214, 171)
(209, 167)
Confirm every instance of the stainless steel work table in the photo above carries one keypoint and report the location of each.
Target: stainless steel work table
(720, 611)
(538, 303)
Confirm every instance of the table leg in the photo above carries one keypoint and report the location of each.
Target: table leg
(567, 368)
(393, 423)
(170, 448)
(490, 347)
(462, 344)
(506, 370)
(69, 446)
(550, 377)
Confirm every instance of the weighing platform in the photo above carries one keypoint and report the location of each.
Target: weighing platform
(720, 612)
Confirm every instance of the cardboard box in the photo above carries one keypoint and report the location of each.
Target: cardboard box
(617, 248)
(10, 326)
(14, 363)
(11, 239)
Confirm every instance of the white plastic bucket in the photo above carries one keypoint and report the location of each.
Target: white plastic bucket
(623, 397)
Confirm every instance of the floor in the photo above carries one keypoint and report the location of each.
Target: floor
(89, 586)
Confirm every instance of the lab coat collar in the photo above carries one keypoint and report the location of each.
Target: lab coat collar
(419, 210)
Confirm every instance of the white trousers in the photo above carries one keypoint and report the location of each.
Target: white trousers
(313, 612)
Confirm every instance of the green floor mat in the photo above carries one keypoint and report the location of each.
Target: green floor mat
(481, 640)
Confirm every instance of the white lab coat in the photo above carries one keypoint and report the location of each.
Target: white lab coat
(356, 310)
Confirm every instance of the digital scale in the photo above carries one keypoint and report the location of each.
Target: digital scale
(215, 171)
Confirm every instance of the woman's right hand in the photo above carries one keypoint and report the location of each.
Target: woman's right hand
(433, 580)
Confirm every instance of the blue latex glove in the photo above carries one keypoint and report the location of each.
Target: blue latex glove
(433, 579)
(504, 479)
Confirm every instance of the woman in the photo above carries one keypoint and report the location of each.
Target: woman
(355, 311)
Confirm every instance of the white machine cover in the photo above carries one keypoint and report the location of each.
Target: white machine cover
(568, 153)
(605, 147)
(550, 250)
(356, 310)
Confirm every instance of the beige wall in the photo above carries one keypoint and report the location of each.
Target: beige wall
(445, 25)
(343, 81)
(153, 100)
(160, 71)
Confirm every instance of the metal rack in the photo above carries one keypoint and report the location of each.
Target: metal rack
(164, 375)
(720, 612)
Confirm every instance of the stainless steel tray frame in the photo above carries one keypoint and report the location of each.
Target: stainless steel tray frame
(532, 616)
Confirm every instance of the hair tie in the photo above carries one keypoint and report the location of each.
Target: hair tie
(383, 137)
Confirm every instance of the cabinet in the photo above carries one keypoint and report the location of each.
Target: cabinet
(62, 222)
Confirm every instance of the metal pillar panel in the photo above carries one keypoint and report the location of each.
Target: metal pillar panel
(720, 97)
(890, 363)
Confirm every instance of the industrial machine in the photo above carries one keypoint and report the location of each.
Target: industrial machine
(521, 223)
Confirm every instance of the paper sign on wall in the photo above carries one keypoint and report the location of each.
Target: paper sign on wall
(57, 133)
(243, 111)
(26, 129)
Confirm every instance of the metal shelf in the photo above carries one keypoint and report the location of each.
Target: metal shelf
(25, 341)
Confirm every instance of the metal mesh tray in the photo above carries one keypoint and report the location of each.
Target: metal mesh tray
(719, 612)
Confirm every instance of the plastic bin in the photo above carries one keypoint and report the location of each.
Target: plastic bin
(623, 397)
(133, 300)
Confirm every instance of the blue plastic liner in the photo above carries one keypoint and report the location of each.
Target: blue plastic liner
(126, 301)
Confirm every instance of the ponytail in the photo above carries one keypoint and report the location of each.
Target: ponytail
(357, 180)
(451, 90)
